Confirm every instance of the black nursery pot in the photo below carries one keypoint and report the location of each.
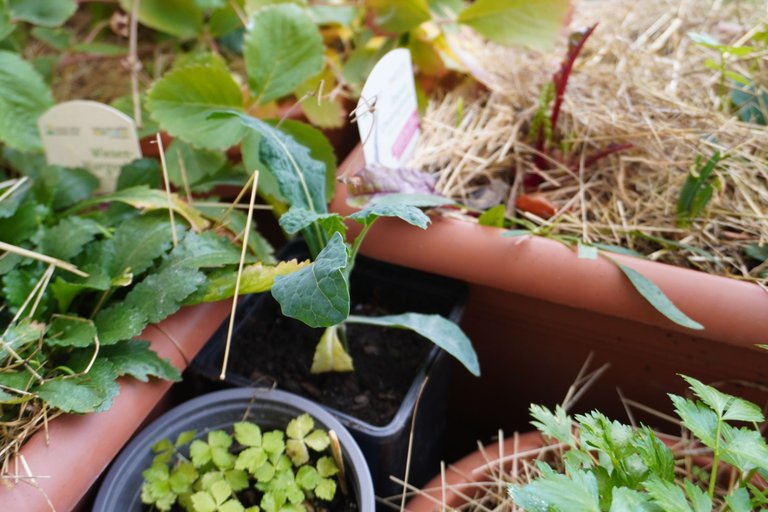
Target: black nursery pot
(270, 409)
(385, 446)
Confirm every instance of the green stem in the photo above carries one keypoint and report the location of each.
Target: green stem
(356, 247)
(715, 460)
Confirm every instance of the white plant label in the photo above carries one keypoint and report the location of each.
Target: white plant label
(387, 112)
(92, 135)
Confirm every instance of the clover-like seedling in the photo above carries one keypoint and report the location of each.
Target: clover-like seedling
(302, 435)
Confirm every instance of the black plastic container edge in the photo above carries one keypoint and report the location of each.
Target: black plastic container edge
(384, 447)
(121, 489)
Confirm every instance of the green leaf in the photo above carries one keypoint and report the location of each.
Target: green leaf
(247, 433)
(138, 242)
(70, 332)
(320, 149)
(325, 489)
(205, 250)
(300, 426)
(184, 99)
(726, 406)
(493, 217)
(24, 97)
(318, 294)
(321, 111)
(143, 171)
(409, 214)
(181, 18)
(199, 453)
(251, 459)
(744, 448)
(297, 218)
(556, 425)
(69, 237)
(101, 49)
(629, 500)
(700, 420)
(318, 440)
(272, 442)
(738, 500)
(300, 177)
(330, 354)
(282, 49)
(235, 222)
(160, 295)
(440, 331)
(256, 278)
(91, 392)
(536, 24)
(417, 200)
(136, 359)
(757, 252)
(586, 251)
(698, 189)
(555, 491)
(700, 500)
(667, 496)
(119, 322)
(74, 185)
(57, 38)
(657, 298)
(326, 467)
(297, 451)
(399, 16)
(198, 163)
(203, 502)
(307, 477)
(43, 12)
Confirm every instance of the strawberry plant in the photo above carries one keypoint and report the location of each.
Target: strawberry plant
(83, 275)
(609, 466)
(244, 470)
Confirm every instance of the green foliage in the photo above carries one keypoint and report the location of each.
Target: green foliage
(181, 18)
(698, 189)
(42, 12)
(609, 466)
(207, 475)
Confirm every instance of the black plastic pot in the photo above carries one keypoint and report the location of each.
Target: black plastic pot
(385, 447)
(121, 490)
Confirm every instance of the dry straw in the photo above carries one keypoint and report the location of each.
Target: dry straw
(639, 80)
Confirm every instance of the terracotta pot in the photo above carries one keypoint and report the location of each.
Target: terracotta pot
(536, 311)
(449, 491)
(78, 448)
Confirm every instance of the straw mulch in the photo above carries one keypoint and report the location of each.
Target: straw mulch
(641, 80)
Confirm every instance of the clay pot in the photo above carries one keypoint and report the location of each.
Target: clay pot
(76, 449)
(536, 311)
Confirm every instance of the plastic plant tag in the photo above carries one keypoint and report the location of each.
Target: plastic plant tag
(387, 113)
(89, 134)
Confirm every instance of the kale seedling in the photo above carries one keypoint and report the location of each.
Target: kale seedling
(245, 470)
(318, 294)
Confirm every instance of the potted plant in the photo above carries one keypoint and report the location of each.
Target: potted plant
(599, 297)
(239, 448)
(593, 463)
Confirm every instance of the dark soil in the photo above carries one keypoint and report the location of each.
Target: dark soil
(269, 349)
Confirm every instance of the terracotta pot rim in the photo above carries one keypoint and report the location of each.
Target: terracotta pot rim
(731, 311)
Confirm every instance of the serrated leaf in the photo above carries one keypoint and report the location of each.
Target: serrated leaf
(198, 163)
(247, 433)
(119, 322)
(138, 242)
(221, 458)
(185, 438)
(667, 496)
(555, 491)
(234, 222)
(297, 451)
(656, 455)
(317, 294)
(24, 97)
(237, 479)
(135, 358)
(535, 24)
(181, 18)
(251, 459)
(70, 332)
(300, 426)
(555, 425)
(43, 12)
(143, 171)
(74, 185)
(326, 467)
(232, 505)
(629, 500)
(199, 453)
(440, 331)
(67, 238)
(726, 406)
(738, 500)
(307, 477)
(255, 278)
(325, 489)
(282, 49)
(93, 391)
(744, 448)
(699, 499)
(657, 298)
(205, 250)
(318, 440)
(203, 502)
(184, 99)
(160, 295)
(273, 442)
(399, 16)
(700, 420)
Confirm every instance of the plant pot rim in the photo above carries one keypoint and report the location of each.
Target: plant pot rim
(78, 448)
(732, 311)
(208, 406)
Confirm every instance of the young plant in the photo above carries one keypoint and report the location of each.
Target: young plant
(319, 294)
(244, 470)
(609, 466)
(697, 191)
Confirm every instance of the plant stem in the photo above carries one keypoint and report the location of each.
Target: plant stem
(356, 247)
(715, 460)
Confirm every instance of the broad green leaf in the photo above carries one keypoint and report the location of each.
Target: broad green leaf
(282, 49)
(326, 467)
(700, 420)
(70, 332)
(334, 14)
(744, 448)
(205, 250)
(440, 331)
(69, 237)
(136, 359)
(251, 459)
(699, 499)
(399, 16)
(24, 97)
(197, 163)
(493, 216)
(273, 442)
(307, 477)
(726, 406)
(138, 242)
(143, 171)
(330, 354)
(738, 500)
(409, 214)
(6, 25)
(556, 491)
(668, 496)
(203, 502)
(321, 111)
(297, 219)
(534, 23)
(256, 278)
(557, 425)
(219, 438)
(74, 185)
(43, 12)
(18, 335)
(319, 147)
(318, 440)
(325, 489)
(247, 433)
(181, 18)
(160, 295)
(417, 200)
(300, 177)
(91, 392)
(318, 294)
(183, 100)
(657, 298)
(148, 199)
(119, 322)
(629, 500)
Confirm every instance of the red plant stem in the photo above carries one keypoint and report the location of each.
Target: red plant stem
(608, 150)
(560, 79)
